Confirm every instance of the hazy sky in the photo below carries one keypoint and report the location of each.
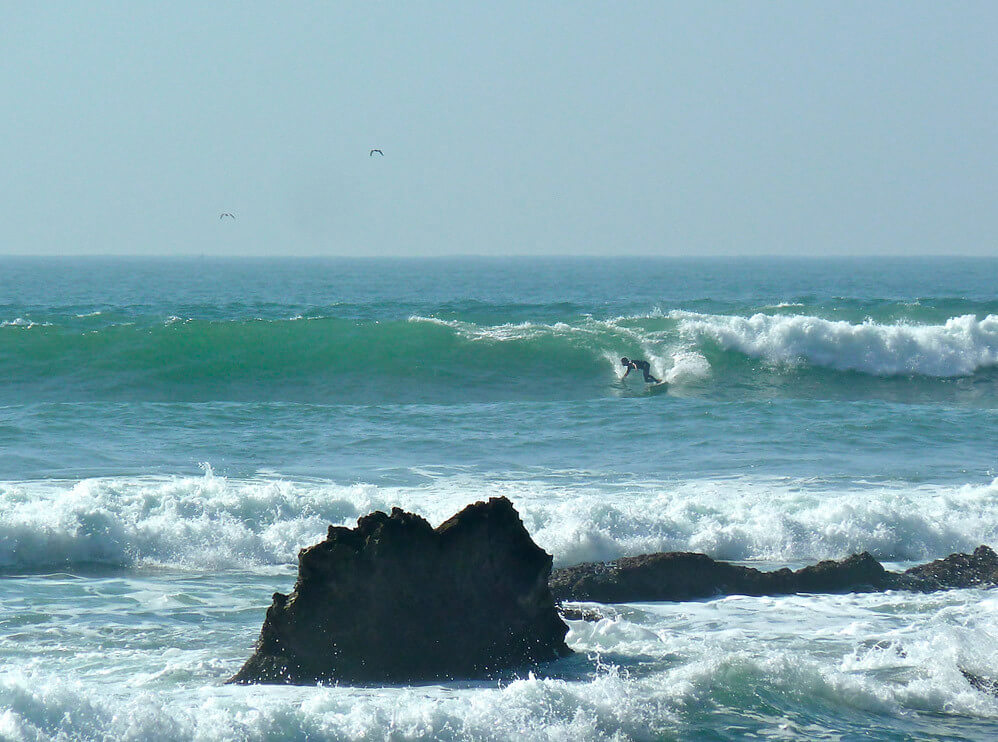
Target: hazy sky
(656, 128)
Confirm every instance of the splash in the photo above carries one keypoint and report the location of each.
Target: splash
(959, 347)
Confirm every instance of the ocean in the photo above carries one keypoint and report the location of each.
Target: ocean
(173, 431)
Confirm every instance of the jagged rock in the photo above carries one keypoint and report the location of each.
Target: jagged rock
(677, 576)
(395, 600)
(979, 569)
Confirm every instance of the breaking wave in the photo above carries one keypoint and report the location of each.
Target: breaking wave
(959, 347)
(432, 359)
(210, 522)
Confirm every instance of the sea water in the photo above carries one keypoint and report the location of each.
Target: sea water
(172, 432)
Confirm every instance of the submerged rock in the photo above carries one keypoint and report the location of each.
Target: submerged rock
(980, 682)
(677, 576)
(395, 600)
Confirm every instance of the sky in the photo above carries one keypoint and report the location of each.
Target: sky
(575, 128)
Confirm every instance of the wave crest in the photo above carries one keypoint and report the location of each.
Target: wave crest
(959, 347)
(430, 359)
(210, 522)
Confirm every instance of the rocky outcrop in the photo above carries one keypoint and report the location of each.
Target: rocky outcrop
(677, 576)
(395, 600)
(979, 569)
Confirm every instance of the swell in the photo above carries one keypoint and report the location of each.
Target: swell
(431, 358)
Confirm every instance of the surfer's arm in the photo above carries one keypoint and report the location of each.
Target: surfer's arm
(626, 373)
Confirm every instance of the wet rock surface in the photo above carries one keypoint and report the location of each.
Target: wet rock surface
(982, 683)
(395, 600)
(979, 569)
(678, 576)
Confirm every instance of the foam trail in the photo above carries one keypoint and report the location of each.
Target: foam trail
(23, 323)
(959, 347)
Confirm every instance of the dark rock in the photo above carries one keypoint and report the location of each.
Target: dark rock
(677, 576)
(858, 573)
(581, 613)
(981, 683)
(979, 569)
(395, 600)
(651, 577)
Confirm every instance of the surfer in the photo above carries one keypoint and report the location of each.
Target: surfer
(642, 365)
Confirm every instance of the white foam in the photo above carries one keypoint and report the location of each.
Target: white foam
(24, 323)
(656, 671)
(507, 332)
(959, 347)
(782, 520)
(607, 708)
(210, 522)
(203, 523)
(688, 366)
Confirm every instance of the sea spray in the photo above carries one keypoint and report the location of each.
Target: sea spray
(192, 523)
(865, 665)
(959, 347)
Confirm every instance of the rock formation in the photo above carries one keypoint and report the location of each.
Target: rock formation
(979, 569)
(676, 576)
(395, 600)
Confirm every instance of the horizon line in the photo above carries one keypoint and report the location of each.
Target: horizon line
(504, 256)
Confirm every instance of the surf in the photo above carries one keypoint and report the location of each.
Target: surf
(444, 359)
(210, 522)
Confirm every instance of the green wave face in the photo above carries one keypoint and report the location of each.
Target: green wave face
(340, 359)
(429, 359)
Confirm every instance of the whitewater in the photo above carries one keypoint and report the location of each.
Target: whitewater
(174, 431)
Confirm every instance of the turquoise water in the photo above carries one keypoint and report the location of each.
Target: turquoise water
(173, 431)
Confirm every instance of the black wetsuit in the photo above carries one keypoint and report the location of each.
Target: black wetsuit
(645, 369)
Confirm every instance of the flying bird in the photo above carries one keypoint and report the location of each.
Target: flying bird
(226, 214)
(371, 153)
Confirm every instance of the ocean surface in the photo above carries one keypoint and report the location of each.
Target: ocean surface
(173, 431)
